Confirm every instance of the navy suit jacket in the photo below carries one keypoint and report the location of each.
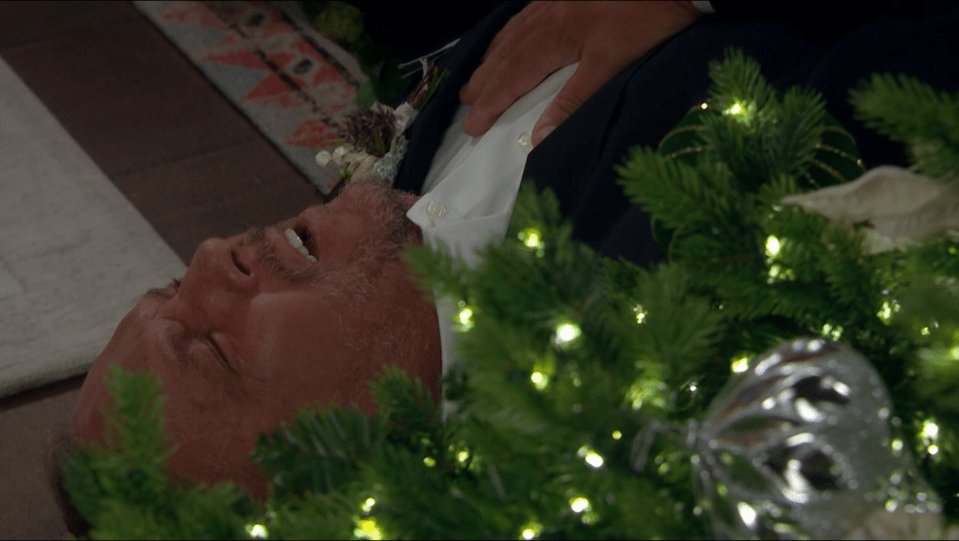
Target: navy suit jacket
(643, 102)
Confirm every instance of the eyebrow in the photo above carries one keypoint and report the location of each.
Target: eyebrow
(180, 338)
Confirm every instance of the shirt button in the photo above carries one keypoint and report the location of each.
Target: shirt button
(524, 142)
(435, 210)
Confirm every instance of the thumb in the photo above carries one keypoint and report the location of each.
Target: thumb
(556, 112)
(581, 85)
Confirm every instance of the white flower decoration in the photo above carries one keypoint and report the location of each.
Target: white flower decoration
(898, 206)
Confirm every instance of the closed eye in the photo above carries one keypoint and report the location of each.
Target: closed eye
(239, 265)
(214, 348)
(197, 350)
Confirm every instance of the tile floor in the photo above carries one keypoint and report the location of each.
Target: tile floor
(189, 162)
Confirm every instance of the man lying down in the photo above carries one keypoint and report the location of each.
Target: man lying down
(256, 330)
(267, 322)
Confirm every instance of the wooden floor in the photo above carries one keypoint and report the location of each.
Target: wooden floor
(187, 160)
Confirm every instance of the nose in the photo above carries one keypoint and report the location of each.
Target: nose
(225, 264)
(216, 286)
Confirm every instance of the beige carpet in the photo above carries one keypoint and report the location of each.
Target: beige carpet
(75, 255)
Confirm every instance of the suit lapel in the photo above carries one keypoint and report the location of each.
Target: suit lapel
(427, 131)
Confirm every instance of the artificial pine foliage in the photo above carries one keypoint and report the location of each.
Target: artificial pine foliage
(914, 113)
(580, 374)
(124, 490)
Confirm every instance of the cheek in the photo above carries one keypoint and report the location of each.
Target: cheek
(88, 421)
(268, 337)
(214, 438)
(301, 348)
(347, 232)
(290, 326)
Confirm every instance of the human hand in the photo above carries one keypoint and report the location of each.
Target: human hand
(604, 37)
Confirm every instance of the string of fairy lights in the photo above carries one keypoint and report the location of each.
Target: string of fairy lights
(566, 333)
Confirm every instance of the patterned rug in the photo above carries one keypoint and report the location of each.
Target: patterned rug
(269, 60)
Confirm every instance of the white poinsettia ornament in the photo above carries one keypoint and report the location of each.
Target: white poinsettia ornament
(374, 144)
(897, 206)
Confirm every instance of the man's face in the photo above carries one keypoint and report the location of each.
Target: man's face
(255, 331)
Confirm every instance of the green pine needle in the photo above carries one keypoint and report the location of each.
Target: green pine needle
(914, 113)
(572, 364)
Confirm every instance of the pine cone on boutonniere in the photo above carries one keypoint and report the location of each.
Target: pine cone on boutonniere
(374, 144)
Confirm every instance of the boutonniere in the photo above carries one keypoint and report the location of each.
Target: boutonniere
(374, 144)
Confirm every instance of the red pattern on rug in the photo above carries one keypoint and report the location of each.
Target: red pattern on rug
(273, 65)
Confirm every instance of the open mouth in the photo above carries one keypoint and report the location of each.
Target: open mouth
(300, 240)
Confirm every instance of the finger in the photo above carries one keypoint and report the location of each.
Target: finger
(486, 73)
(481, 77)
(590, 76)
(499, 50)
(524, 22)
(526, 62)
(511, 80)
